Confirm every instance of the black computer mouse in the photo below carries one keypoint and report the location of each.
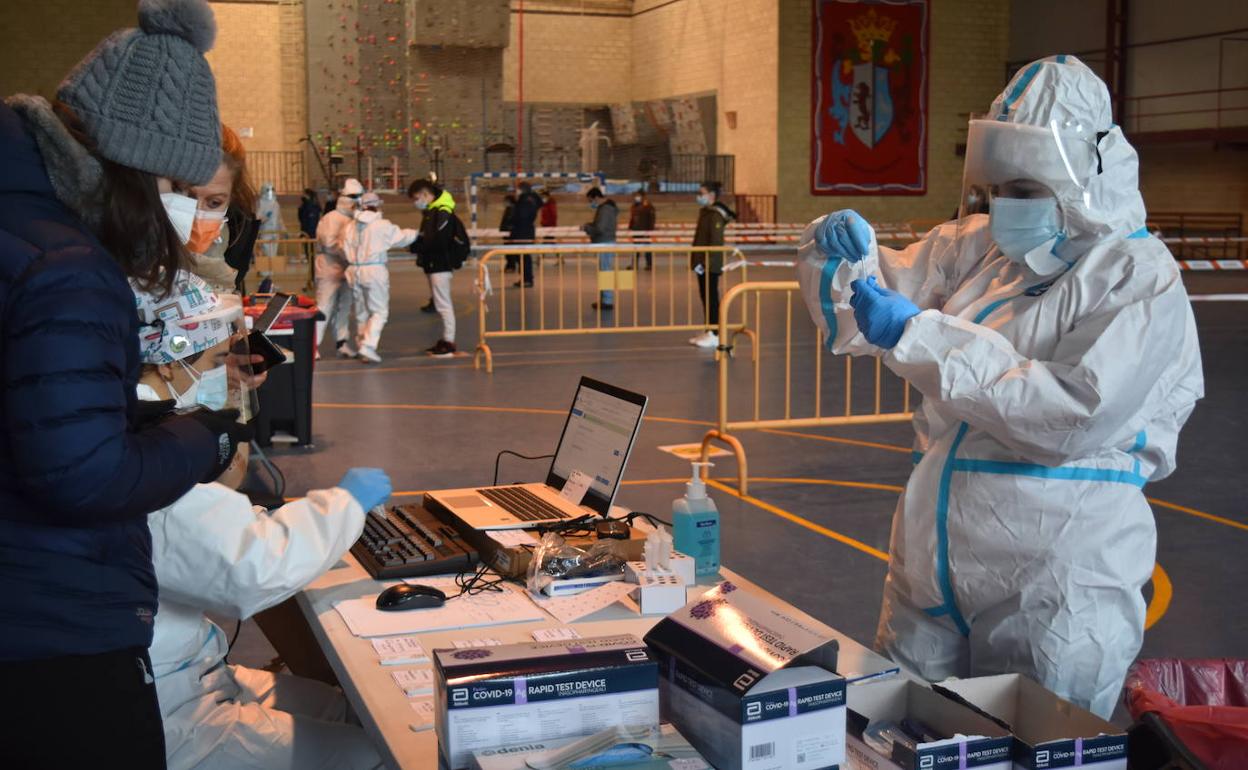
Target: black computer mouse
(406, 596)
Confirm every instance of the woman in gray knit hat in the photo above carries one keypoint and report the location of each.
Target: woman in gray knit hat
(91, 205)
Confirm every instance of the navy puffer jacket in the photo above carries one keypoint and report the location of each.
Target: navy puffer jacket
(76, 481)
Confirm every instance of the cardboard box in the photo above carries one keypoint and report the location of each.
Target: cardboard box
(493, 697)
(895, 699)
(751, 682)
(1048, 731)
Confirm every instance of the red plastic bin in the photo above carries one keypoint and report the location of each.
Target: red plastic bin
(1202, 703)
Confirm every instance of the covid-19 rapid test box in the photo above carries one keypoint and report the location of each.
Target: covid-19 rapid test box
(751, 683)
(1049, 733)
(976, 742)
(494, 697)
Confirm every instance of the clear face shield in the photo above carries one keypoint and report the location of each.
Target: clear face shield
(1025, 178)
(217, 373)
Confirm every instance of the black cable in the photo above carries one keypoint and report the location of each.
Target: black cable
(238, 626)
(499, 457)
(473, 581)
(629, 517)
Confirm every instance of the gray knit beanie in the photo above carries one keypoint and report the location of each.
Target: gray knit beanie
(147, 97)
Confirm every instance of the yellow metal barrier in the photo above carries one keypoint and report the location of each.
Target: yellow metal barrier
(573, 275)
(725, 428)
(277, 255)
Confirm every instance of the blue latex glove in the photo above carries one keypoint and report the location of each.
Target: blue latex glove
(881, 313)
(369, 486)
(844, 235)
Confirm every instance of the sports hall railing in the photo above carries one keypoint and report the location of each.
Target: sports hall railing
(568, 281)
(888, 399)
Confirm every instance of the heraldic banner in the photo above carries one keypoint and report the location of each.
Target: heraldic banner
(869, 102)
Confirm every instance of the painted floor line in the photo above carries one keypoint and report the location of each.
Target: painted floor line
(798, 520)
(491, 409)
(365, 368)
(1163, 592)
(703, 423)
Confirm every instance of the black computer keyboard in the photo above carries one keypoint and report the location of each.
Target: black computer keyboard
(409, 541)
(522, 503)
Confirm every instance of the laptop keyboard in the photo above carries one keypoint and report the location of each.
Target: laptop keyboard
(522, 503)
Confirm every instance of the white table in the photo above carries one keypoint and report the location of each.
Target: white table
(383, 708)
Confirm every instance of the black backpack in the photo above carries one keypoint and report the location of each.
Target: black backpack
(460, 244)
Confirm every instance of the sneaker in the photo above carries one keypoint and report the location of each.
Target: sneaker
(369, 355)
(708, 341)
(526, 284)
(442, 349)
(428, 307)
(345, 350)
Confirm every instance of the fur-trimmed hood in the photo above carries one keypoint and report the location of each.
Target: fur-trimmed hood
(75, 174)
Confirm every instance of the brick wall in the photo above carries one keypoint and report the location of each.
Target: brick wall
(725, 47)
(967, 51)
(247, 64)
(44, 40)
(569, 59)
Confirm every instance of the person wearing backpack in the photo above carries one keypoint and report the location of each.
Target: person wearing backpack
(440, 248)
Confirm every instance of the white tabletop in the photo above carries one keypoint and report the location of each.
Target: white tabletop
(383, 708)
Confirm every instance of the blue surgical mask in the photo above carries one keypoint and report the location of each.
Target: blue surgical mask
(704, 200)
(593, 205)
(210, 389)
(422, 205)
(1020, 225)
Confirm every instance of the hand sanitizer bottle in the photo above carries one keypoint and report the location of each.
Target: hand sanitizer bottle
(695, 522)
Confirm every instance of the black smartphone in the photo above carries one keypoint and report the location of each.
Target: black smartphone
(258, 342)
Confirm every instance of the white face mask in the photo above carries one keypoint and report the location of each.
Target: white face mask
(181, 212)
(1020, 225)
(704, 200)
(210, 389)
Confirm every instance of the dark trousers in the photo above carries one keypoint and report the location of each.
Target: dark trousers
(528, 268)
(708, 290)
(81, 711)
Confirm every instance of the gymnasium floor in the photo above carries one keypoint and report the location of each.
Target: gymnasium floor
(816, 525)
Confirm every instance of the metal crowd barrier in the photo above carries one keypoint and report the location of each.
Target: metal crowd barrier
(278, 255)
(726, 428)
(567, 284)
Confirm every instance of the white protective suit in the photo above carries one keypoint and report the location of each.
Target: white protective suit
(1054, 389)
(269, 212)
(333, 296)
(213, 552)
(366, 244)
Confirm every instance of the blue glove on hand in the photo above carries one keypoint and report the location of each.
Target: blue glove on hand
(881, 313)
(369, 486)
(844, 235)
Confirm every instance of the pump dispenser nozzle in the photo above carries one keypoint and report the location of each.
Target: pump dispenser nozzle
(695, 489)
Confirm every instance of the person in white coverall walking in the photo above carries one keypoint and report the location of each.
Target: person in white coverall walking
(366, 244)
(333, 296)
(1056, 351)
(213, 552)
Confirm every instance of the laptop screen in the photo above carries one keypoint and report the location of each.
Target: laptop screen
(597, 439)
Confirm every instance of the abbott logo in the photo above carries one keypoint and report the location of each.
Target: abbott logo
(746, 680)
(459, 696)
(1042, 758)
(753, 710)
(637, 656)
(928, 761)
